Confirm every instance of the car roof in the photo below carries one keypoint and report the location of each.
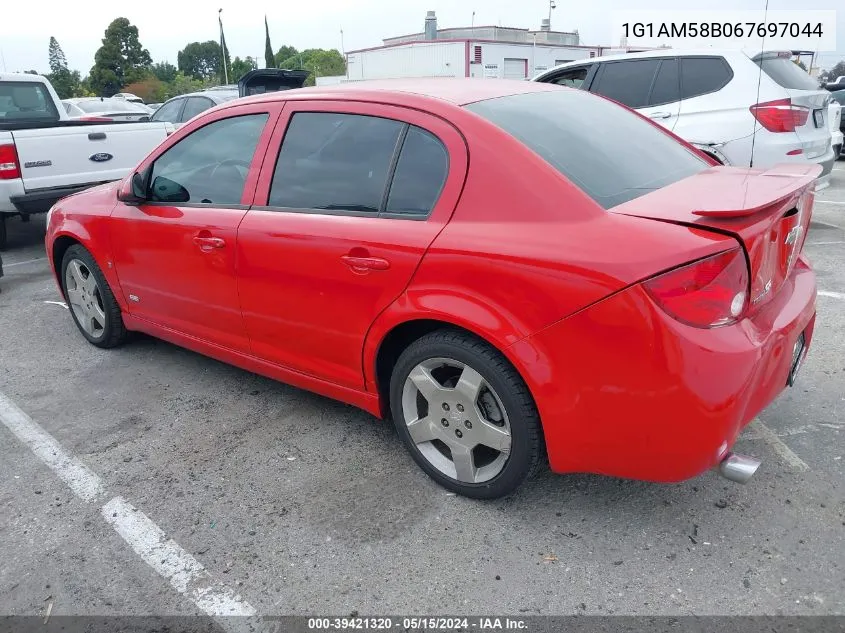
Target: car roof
(215, 95)
(22, 77)
(457, 91)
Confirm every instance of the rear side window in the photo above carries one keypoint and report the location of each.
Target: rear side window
(335, 161)
(667, 86)
(627, 82)
(420, 174)
(169, 112)
(612, 154)
(702, 75)
(25, 100)
(787, 74)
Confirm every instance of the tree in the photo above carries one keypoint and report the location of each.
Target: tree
(201, 60)
(151, 89)
(65, 82)
(284, 54)
(164, 71)
(837, 71)
(240, 67)
(120, 59)
(183, 84)
(269, 58)
(318, 61)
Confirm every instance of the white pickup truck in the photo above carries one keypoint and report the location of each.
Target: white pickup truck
(45, 156)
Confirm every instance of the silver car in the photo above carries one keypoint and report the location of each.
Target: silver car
(103, 108)
(185, 107)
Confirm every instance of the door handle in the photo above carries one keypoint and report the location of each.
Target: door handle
(365, 263)
(206, 243)
(660, 115)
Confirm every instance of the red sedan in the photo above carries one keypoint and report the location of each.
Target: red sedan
(513, 272)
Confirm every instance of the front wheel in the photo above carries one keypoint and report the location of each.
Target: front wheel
(465, 415)
(90, 300)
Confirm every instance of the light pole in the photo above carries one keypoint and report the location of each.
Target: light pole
(223, 47)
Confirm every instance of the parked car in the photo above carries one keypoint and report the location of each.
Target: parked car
(834, 120)
(837, 84)
(103, 109)
(458, 256)
(742, 111)
(128, 96)
(183, 108)
(45, 155)
(839, 97)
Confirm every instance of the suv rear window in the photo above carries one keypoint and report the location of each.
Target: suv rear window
(26, 101)
(787, 74)
(612, 154)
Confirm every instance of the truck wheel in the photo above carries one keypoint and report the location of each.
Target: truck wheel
(90, 300)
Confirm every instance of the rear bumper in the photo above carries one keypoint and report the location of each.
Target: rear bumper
(625, 390)
(40, 200)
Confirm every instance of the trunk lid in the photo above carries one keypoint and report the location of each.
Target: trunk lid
(270, 80)
(768, 212)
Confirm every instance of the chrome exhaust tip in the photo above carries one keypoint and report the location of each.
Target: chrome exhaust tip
(738, 468)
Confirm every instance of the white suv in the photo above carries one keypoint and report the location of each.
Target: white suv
(710, 98)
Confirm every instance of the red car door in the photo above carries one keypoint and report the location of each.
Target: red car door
(349, 198)
(175, 252)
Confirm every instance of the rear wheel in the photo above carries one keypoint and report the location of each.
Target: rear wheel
(90, 300)
(465, 415)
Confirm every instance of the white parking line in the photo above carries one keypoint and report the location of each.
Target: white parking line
(84, 483)
(185, 573)
(28, 261)
(833, 295)
(820, 201)
(824, 243)
(771, 438)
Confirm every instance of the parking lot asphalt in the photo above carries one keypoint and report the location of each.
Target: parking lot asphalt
(290, 503)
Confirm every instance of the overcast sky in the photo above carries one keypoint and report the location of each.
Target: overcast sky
(165, 26)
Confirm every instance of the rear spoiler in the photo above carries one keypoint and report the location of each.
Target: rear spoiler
(270, 80)
(753, 192)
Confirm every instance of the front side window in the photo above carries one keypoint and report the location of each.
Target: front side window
(335, 161)
(195, 106)
(210, 165)
(627, 82)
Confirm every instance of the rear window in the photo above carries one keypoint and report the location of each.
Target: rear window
(611, 153)
(787, 74)
(26, 101)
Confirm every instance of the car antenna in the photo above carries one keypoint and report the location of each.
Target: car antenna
(759, 79)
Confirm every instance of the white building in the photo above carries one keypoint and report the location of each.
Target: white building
(481, 51)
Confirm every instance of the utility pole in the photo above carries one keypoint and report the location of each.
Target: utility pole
(223, 47)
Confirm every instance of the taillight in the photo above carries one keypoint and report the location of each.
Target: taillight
(707, 293)
(9, 167)
(780, 115)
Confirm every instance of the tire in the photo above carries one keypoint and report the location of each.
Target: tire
(92, 296)
(439, 427)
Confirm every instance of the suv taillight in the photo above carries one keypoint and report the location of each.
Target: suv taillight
(780, 115)
(707, 293)
(9, 167)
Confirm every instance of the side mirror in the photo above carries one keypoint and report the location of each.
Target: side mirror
(132, 190)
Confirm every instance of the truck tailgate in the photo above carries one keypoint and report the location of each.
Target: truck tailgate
(76, 155)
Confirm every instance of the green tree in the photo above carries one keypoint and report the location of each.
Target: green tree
(284, 55)
(240, 67)
(837, 71)
(183, 84)
(269, 58)
(120, 59)
(65, 82)
(201, 60)
(319, 62)
(164, 71)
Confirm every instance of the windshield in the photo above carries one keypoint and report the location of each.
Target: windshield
(26, 101)
(610, 152)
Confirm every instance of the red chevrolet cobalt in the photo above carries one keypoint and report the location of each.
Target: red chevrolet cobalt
(513, 272)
